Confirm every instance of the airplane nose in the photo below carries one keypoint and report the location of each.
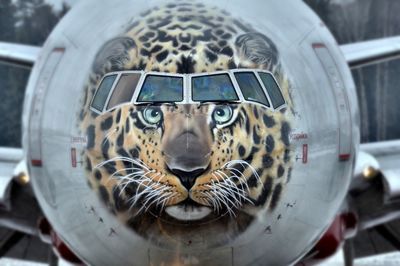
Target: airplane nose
(188, 178)
(187, 152)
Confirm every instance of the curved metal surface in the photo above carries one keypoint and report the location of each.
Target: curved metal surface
(311, 196)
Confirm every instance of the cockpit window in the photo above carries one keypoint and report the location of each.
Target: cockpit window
(101, 96)
(251, 88)
(273, 89)
(124, 90)
(161, 89)
(213, 88)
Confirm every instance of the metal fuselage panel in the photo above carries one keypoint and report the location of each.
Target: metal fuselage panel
(322, 91)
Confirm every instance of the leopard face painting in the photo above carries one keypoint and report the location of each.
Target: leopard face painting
(167, 168)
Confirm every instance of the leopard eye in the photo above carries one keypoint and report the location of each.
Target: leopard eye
(222, 114)
(152, 115)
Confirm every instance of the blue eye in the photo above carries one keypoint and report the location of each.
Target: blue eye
(152, 115)
(222, 114)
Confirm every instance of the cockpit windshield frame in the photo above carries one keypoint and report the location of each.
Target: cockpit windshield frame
(187, 88)
(153, 73)
(189, 92)
(116, 81)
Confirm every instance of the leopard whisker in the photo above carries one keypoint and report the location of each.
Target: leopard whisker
(239, 197)
(240, 176)
(123, 178)
(237, 191)
(230, 164)
(227, 179)
(242, 179)
(137, 196)
(219, 200)
(169, 197)
(214, 189)
(221, 196)
(228, 207)
(226, 192)
(132, 177)
(216, 204)
(159, 179)
(129, 181)
(223, 185)
(108, 135)
(149, 190)
(125, 169)
(143, 179)
(123, 158)
(150, 200)
(243, 184)
(156, 201)
(163, 196)
(151, 197)
(211, 200)
(221, 174)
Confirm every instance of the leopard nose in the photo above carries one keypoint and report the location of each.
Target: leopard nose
(188, 178)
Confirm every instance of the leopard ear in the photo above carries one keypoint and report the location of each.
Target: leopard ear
(258, 49)
(114, 55)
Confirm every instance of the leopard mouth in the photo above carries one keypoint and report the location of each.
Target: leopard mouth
(188, 210)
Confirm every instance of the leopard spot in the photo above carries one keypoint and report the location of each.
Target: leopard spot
(276, 196)
(104, 194)
(269, 121)
(267, 161)
(242, 151)
(285, 130)
(270, 143)
(98, 175)
(281, 171)
(106, 124)
(266, 190)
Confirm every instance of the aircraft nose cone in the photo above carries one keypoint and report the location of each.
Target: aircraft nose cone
(187, 153)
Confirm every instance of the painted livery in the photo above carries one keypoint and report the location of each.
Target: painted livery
(200, 133)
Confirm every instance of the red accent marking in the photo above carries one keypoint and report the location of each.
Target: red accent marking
(331, 240)
(37, 163)
(59, 49)
(73, 157)
(44, 230)
(305, 153)
(351, 221)
(344, 157)
(318, 45)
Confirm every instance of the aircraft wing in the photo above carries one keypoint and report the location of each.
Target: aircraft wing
(19, 54)
(375, 196)
(387, 154)
(19, 211)
(375, 191)
(371, 52)
(9, 160)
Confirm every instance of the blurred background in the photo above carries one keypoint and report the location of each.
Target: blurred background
(27, 22)
(30, 22)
